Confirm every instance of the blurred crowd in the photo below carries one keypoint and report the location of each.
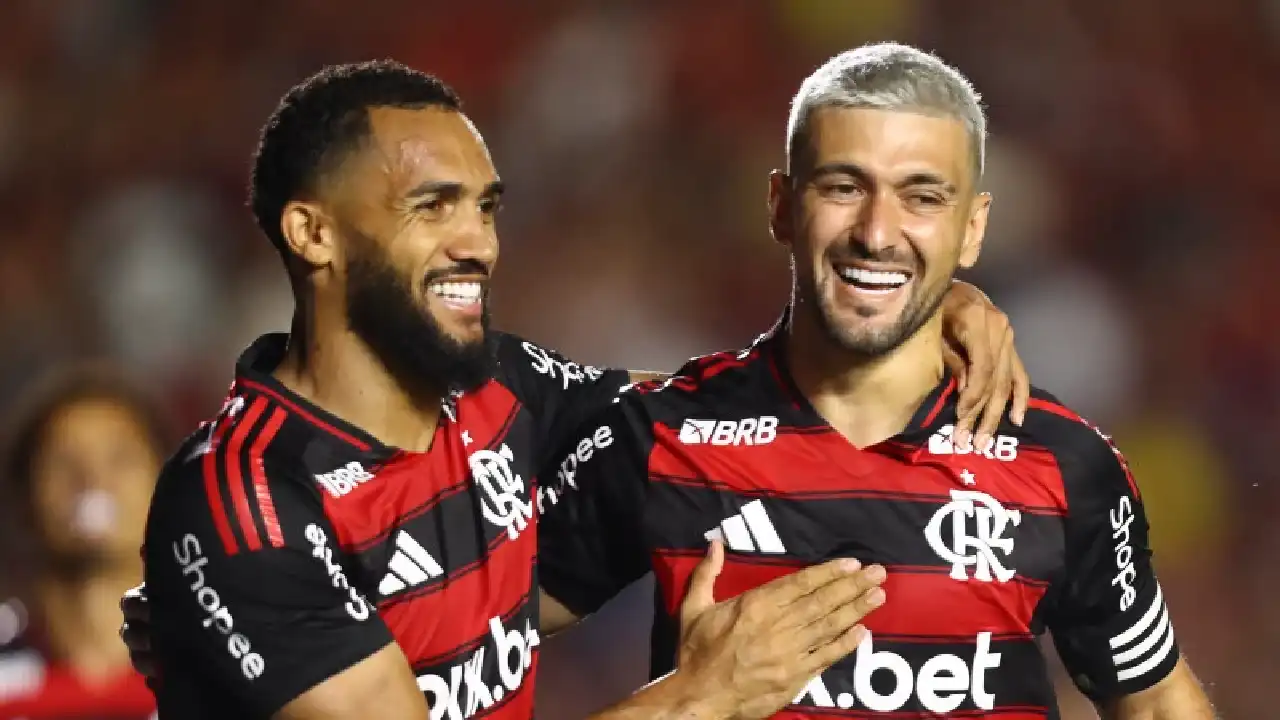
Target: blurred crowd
(1134, 234)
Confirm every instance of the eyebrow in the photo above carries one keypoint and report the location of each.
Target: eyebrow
(912, 180)
(450, 188)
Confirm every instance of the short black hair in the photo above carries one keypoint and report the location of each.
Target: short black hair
(321, 119)
(62, 389)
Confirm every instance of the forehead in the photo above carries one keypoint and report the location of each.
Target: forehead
(410, 146)
(890, 142)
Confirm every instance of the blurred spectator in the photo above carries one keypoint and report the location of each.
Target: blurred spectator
(85, 454)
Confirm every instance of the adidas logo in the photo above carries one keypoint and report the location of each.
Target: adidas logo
(410, 565)
(750, 530)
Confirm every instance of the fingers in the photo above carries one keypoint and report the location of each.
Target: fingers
(955, 364)
(977, 385)
(834, 609)
(833, 652)
(134, 605)
(1021, 388)
(701, 593)
(139, 643)
(1001, 389)
(791, 588)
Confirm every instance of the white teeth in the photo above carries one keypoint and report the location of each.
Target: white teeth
(464, 293)
(873, 277)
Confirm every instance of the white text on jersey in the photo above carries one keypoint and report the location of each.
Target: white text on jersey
(510, 650)
(1121, 518)
(941, 685)
(357, 607)
(192, 560)
(568, 372)
(748, 431)
(345, 479)
(1001, 447)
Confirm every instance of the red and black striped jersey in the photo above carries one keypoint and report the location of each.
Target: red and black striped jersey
(984, 550)
(284, 545)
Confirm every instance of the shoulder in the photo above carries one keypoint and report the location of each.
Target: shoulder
(723, 382)
(1088, 458)
(523, 362)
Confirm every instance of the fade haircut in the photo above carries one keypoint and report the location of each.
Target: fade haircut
(888, 76)
(322, 119)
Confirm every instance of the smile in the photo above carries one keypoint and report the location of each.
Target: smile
(872, 281)
(458, 295)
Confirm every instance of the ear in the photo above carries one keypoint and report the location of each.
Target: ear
(780, 208)
(308, 233)
(974, 230)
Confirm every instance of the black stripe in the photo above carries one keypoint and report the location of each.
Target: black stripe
(890, 531)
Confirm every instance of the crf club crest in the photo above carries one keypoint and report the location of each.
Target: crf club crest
(505, 501)
(969, 531)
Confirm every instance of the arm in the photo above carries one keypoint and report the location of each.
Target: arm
(1110, 624)
(1177, 697)
(590, 536)
(267, 627)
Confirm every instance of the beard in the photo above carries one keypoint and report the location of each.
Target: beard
(419, 353)
(875, 342)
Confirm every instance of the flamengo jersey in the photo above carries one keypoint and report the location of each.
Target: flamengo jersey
(984, 549)
(285, 545)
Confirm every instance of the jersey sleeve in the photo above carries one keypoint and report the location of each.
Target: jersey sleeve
(1111, 625)
(250, 600)
(591, 534)
(560, 393)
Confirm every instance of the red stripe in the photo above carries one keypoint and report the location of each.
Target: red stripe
(942, 400)
(212, 488)
(1056, 409)
(235, 479)
(296, 409)
(812, 464)
(929, 606)
(410, 484)
(266, 506)
(431, 626)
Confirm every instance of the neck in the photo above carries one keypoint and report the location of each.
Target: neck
(333, 368)
(81, 618)
(866, 399)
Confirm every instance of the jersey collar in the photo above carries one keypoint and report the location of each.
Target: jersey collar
(938, 408)
(254, 374)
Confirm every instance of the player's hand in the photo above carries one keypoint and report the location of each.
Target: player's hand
(754, 653)
(980, 354)
(136, 631)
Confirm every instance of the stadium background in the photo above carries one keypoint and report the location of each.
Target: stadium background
(1133, 239)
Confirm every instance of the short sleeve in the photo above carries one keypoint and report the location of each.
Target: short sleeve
(1111, 625)
(560, 393)
(251, 605)
(591, 542)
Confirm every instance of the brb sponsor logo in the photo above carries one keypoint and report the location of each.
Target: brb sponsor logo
(192, 561)
(975, 523)
(1002, 447)
(1122, 517)
(942, 684)
(567, 372)
(345, 479)
(357, 607)
(503, 491)
(493, 671)
(748, 431)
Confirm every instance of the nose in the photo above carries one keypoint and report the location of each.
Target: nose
(878, 224)
(476, 241)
